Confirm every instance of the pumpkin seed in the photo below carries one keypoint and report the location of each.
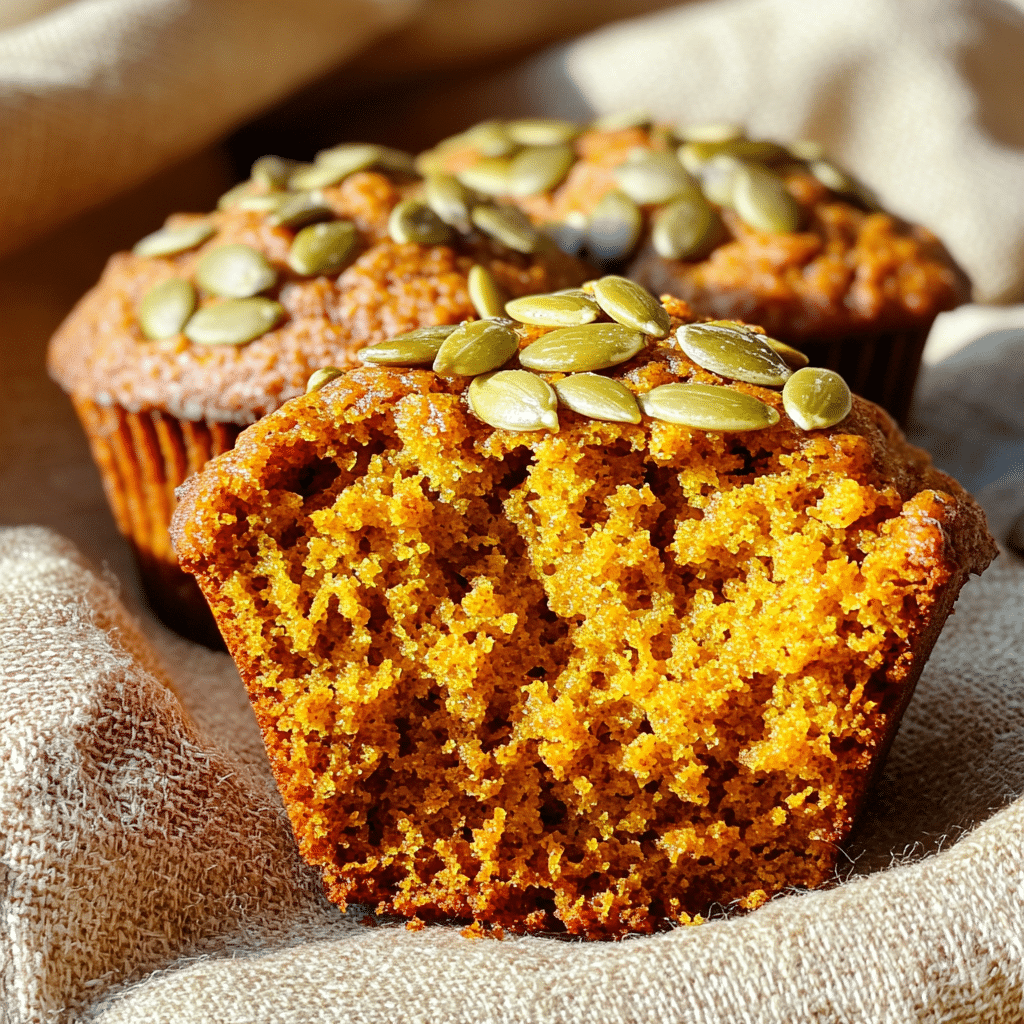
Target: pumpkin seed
(514, 400)
(631, 304)
(320, 377)
(489, 175)
(349, 157)
(762, 200)
(831, 176)
(307, 177)
(449, 199)
(272, 172)
(711, 132)
(731, 350)
(718, 178)
(166, 307)
(263, 202)
(578, 349)
(569, 235)
(754, 150)
(489, 138)
(795, 359)
(707, 406)
(323, 248)
(557, 310)
(685, 229)
(397, 161)
(236, 271)
(297, 211)
(233, 321)
(621, 120)
(167, 241)
(414, 348)
(539, 168)
(485, 293)
(806, 149)
(476, 347)
(816, 398)
(540, 131)
(507, 225)
(412, 221)
(653, 177)
(614, 227)
(234, 195)
(600, 398)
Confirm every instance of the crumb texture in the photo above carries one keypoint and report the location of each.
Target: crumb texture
(592, 681)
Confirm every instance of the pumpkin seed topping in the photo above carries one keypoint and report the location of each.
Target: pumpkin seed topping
(806, 149)
(733, 351)
(653, 177)
(476, 347)
(631, 304)
(349, 157)
(614, 228)
(507, 225)
(600, 398)
(323, 248)
(413, 221)
(272, 172)
(707, 407)
(621, 120)
(541, 131)
(514, 400)
(718, 178)
(569, 235)
(711, 132)
(490, 176)
(762, 200)
(539, 168)
(414, 348)
(320, 377)
(167, 241)
(555, 310)
(579, 349)
(795, 359)
(296, 211)
(233, 321)
(449, 199)
(490, 138)
(313, 176)
(815, 398)
(685, 229)
(485, 293)
(236, 271)
(166, 307)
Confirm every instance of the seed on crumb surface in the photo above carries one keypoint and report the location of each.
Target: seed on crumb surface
(507, 225)
(323, 248)
(320, 377)
(707, 407)
(300, 209)
(449, 199)
(554, 310)
(761, 199)
(653, 177)
(349, 157)
(476, 347)
(412, 221)
(539, 168)
(541, 131)
(166, 241)
(815, 398)
(712, 131)
(579, 349)
(600, 398)
(514, 400)
(614, 227)
(166, 307)
(272, 172)
(795, 359)
(235, 271)
(631, 304)
(485, 293)
(414, 348)
(685, 229)
(732, 350)
(233, 321)
(490, 175)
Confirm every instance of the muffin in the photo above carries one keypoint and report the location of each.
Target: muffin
(577, 630)
(740, 228)
(216, 319)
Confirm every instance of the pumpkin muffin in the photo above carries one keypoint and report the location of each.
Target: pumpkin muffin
(603, 618)
(216, 319)
(742, 228)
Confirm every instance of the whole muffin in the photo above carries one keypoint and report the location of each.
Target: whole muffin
(741, 228)
(217, 319)
(579, 631)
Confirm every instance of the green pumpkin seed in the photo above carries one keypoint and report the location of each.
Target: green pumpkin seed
(166, 307)
(794, 358)
(489, 176)
(323, 248)
(236, 271)
(299, 210)
(272, 172)
(233, 321)
(489, 138)
(718, 178)
(349, 157)
(806, 149)
(557, 310)
(715, 132)
(320, 377)
(621, 120)
(514, 400)
(654, 177)
(247, 196)
(600, 398)
(815, 398)
(831, 176)
(707, 406)
(414, 348)
(753, 150)
(540, 131)
(569, 235)
(685, 229)
(732, 350)
(234, 195)
(167, 241)
(629, 303)
(485, 293)
(449, 199)
(579, 349)
(308, 177)
(412, 221)
(614, 227)
(507, 225)
(539, 168)
(476, 347)
(762, 200)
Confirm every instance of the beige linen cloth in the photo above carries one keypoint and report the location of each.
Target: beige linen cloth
(147, 872)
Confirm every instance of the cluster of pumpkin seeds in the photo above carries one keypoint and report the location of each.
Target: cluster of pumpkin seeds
(604, 324)
(683, 179)
(289, 194)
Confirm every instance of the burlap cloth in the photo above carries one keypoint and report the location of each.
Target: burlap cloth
(147, 872)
